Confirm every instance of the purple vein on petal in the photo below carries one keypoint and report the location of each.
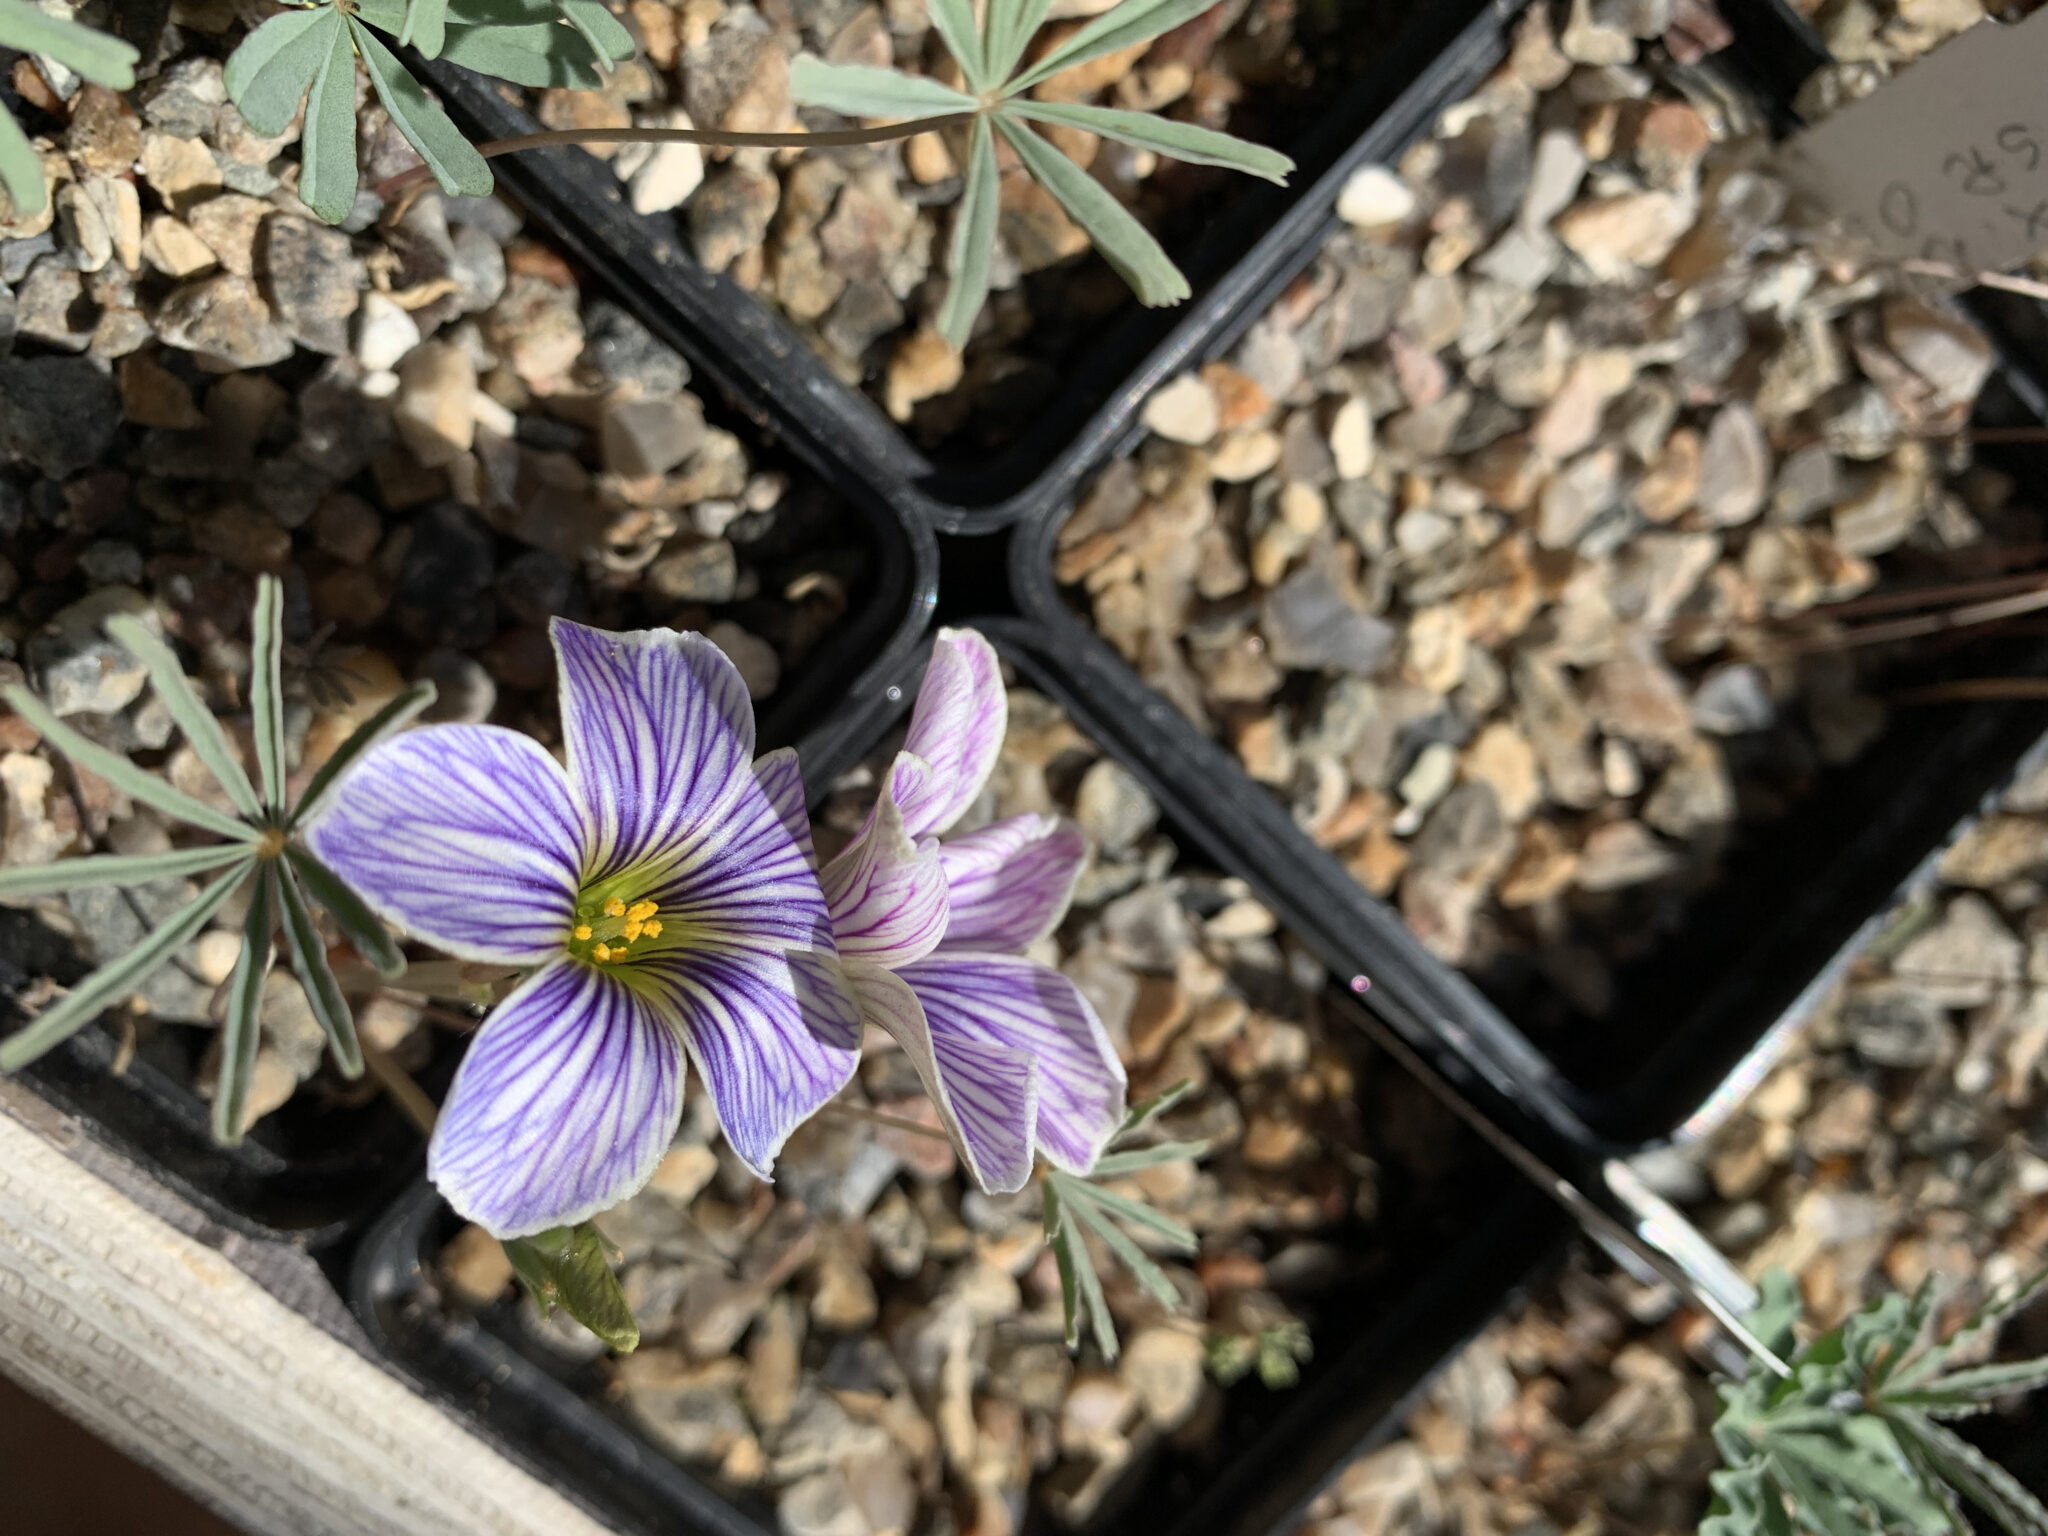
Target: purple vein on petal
(1008, 1001)
(1008, 885)
(957, 727)
(660, 733)
(568, 1098)
(886, 896)
(463, 835)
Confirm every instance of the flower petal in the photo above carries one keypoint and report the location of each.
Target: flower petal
(1008, 885)
(957, 728)
(567, 1099)
(781, 778)
(774, 1034)
(1011, 1002)
(660, 733)
(463, 835)
(986, 1095)
(886, 896)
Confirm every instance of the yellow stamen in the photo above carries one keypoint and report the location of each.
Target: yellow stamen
(651, 928)
(602, 953)
(640, 911)
(615, 908)
(633, 930)
(582, 931)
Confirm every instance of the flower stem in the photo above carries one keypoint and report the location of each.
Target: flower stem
(836, 138)
(893, 1122)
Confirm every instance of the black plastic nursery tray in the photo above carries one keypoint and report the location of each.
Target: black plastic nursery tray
(1245, 235)
(1747, 951)
(1419, 1281)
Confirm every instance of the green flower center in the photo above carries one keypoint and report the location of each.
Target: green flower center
(606, 928)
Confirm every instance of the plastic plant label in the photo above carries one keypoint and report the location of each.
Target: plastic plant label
(1949, 162)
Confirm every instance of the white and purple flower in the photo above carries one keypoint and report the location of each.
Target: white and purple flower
(931, 932)
(661, 890)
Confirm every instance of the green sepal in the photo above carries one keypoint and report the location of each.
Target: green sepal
(571, 1268)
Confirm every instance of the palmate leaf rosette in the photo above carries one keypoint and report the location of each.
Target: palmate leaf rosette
(258, 843)
(308, 54)
(93, 56)
(1854, 1440)
(990, 56)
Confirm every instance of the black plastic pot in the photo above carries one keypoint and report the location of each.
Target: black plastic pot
(1750, 948)
(1447, 1262)
(1243, 253)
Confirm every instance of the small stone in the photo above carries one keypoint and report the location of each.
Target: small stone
(1113, 808)
(315, 279)
(169, 245)
(1620, 854)
(385, 332)
(1735, 468)
(153, 396)
(1556, 168)
(77, 667)
(1501, 758)
(464, 691)
(228, 225)
(178, 170)
(1895, 1024)
(923, 365)
(1963, 960)
(435, 410)
(2000, 848)
(224, 317)
(1543, 866)
(1947, 352)
(1374, 197)
(60, 414)
(699, 573)
(668, 174)
(759, 667)
(651, 436)
(1619, 234)
(52, 307)
(1351, 438)
(1733, 700)
(1695, 794)
(1309, 622)
(475, 1266)
(1184, 411)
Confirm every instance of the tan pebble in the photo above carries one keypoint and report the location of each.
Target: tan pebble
(475, 1266)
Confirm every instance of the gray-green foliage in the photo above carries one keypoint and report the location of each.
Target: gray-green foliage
(996, 97)
(571, 1268)
(1853, 1442)
(259, 845)
(309, 54)
(1077, 1206)
(88, 54)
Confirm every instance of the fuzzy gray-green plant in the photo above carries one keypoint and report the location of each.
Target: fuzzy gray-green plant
(91, 55)
(991, 58)
(259, 843)
(309, 54)
(1854, 1442)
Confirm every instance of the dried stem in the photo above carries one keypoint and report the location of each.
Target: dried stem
(2031, 287)
(405, 1093)
(1964, 617)
(1975, 690)
(836, 138)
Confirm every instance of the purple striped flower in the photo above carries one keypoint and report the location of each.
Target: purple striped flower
(1010, 1051)
(662, 890)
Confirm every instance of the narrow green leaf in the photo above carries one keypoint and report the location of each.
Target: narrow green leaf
(269, 75)
(1011, 26)
(1136, 1212)
(243, 1031)
(1872, 1470)
(1070, 1285)
(570, 1268)
(266, 689)
(607, 36)
(117, 869)
(974, 238)
(358, 924)
(121, 773)
(1133, 22)
(1816, 1502)
(426, 26)
(99, 58)
(1182, 141)
(309, 963)
(1970, 1390)
(202, 731)
(1977, 1477)
(114, 980)
(392, 717)
(1981, 1326)
(1129, 1254)
(1116, 1165)
(1090, 1286)
(542, 55)
(953, 20)
(1142, 1114)
(1120, 239)
(327, 153)
(21, 168)
(454, 161)
(862, 90)
(386, 16)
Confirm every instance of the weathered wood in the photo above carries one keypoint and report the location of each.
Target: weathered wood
(158, 1342)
